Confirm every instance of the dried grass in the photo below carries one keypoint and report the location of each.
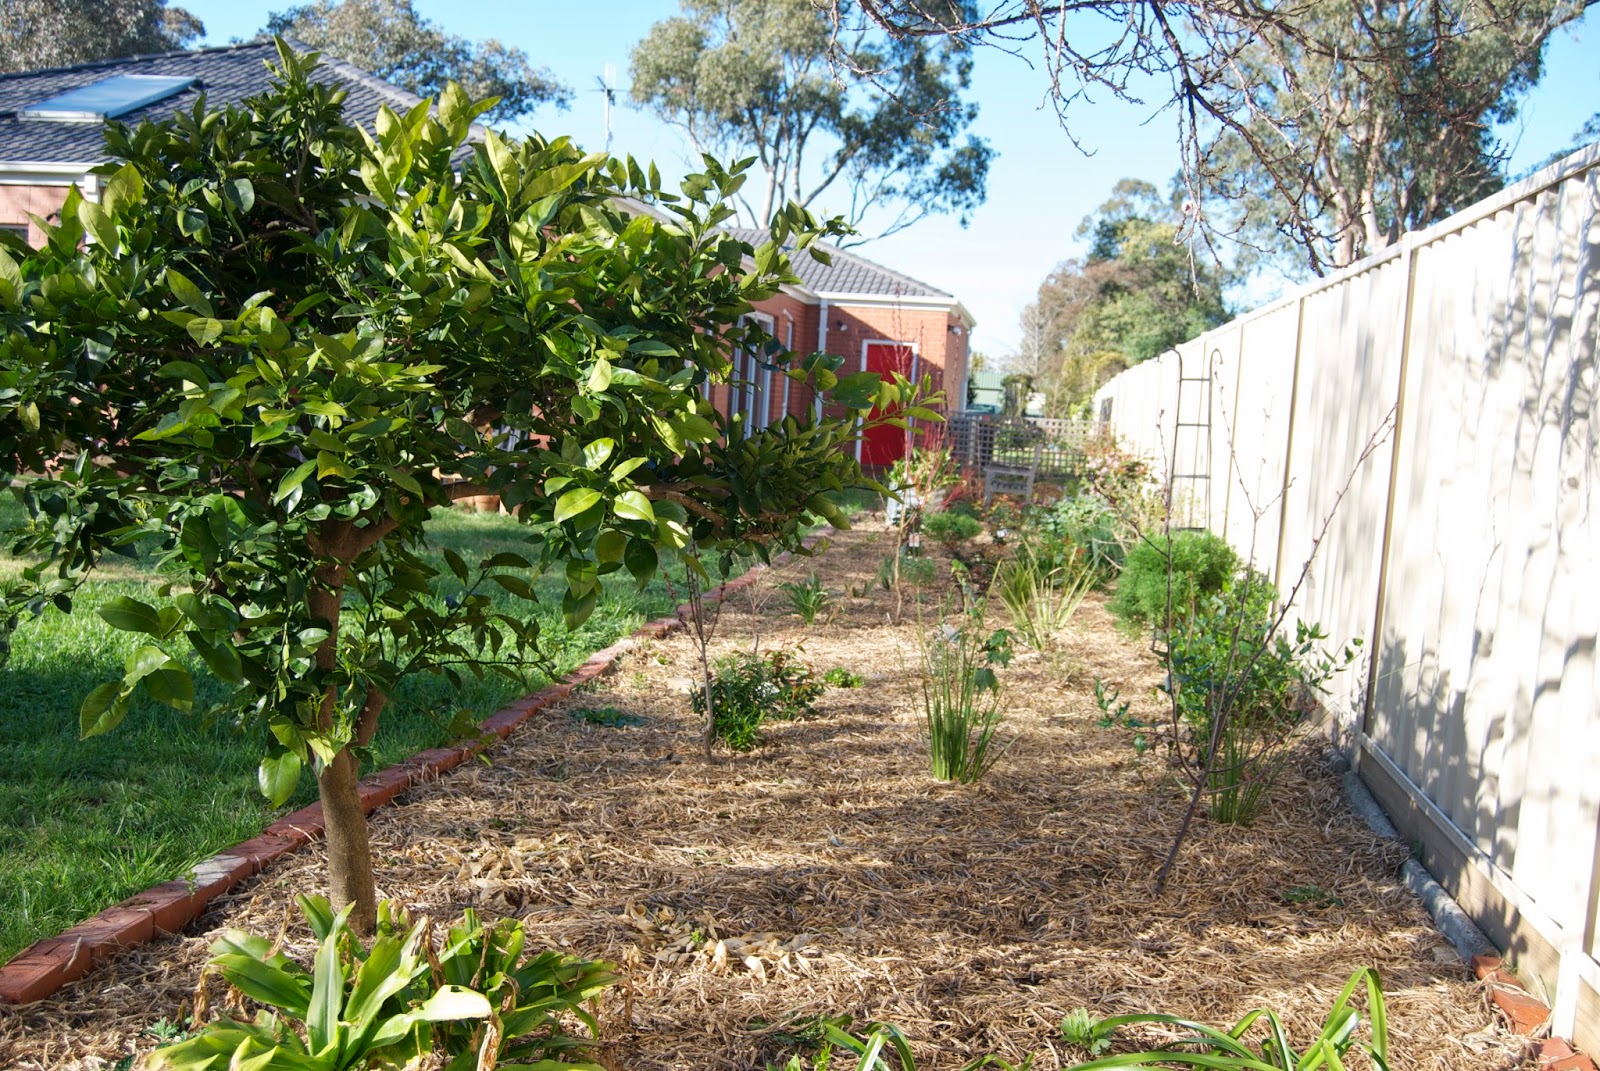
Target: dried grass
(828, 873)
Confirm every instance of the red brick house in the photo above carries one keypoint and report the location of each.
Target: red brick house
(873, 317)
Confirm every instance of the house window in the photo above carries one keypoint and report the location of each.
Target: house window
(18, 229)
(750, 391)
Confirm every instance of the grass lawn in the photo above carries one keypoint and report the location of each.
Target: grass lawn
(86, 823)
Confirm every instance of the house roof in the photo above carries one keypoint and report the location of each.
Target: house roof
(848, 274)
(225, 75)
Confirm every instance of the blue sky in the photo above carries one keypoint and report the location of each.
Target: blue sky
(1040, 186)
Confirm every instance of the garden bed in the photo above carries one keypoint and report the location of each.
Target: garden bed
(973, 917)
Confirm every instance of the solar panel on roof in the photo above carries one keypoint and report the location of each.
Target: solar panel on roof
(106, 99)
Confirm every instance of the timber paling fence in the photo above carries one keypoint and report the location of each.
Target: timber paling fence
(1421, 428)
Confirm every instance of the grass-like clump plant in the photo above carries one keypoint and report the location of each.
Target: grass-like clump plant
(1207, 1047)
(808, 598)
(1041, 597)
(961, 700)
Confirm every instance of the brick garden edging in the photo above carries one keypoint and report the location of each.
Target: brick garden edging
(45, 966)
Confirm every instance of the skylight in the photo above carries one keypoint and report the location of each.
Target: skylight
(106, 99)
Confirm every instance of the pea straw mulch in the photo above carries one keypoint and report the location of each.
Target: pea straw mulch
(828, 874)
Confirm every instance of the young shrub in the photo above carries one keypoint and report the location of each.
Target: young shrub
(807, 597)
(1245, 690)
(748, 688)
(961, 701)
(475, 1002)
(840, 677)
(1184, 569)
(952, 529)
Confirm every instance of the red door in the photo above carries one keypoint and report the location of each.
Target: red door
(884, 445)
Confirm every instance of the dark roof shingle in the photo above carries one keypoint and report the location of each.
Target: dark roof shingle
(848, 274)
(225, 75)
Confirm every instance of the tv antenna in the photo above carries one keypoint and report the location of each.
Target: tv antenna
(607, 87)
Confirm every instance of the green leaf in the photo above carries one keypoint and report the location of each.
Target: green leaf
(97, 221)
(641, 560)
(265, 983)
(634, 506)
(188, 294)
(204, 330)
(278, 776)
(575, 609)
(600, 376)
(131, 615)
(294, 479)
(102, 710)
(610, 546)
(241, 194)
(575, 502)
(219, 656)
(596, 453)
(10, 280)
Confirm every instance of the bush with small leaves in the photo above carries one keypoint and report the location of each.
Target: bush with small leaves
(749, 688)
(952, 529)
(1166, 578)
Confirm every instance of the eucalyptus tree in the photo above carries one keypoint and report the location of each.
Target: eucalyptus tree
(58, 33)
(1325, 127)
(277, 342)
(389, 39)
(882, 138)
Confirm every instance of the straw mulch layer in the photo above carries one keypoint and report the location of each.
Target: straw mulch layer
(828, 873)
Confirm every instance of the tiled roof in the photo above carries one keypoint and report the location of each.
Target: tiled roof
(848, 274)
(225, 75)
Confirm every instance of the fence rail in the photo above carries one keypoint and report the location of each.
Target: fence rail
(1418, 437)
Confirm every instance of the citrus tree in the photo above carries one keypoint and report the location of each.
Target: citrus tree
(278, 341)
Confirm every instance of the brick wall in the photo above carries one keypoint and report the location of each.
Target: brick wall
(17, 202)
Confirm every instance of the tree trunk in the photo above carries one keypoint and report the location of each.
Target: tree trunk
(350, 878)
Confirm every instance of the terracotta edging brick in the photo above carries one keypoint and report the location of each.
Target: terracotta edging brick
(45, 966)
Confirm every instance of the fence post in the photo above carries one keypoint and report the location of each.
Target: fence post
(1371, 696)
(1288, 442)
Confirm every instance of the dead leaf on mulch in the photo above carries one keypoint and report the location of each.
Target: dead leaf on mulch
(827, 873)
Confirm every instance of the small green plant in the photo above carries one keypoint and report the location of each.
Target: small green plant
(1242, 691)
(880, 1048)
(1228, 1050)
(1083, 1030)
(807, 597)
(1042, 599)
(951, 528)
(913, 571)
(840, 677)
(607, 717)
(961, 701)
(1112, 713)
(749, 688)
(472, 1003)
(1171, 577)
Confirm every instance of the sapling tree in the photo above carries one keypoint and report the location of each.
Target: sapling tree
(278, 341)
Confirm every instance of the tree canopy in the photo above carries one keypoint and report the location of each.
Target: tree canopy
(881, 139)
(1330, 125)
(278, 340)
(58, 33)
(389, 39)
(1134, 296)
